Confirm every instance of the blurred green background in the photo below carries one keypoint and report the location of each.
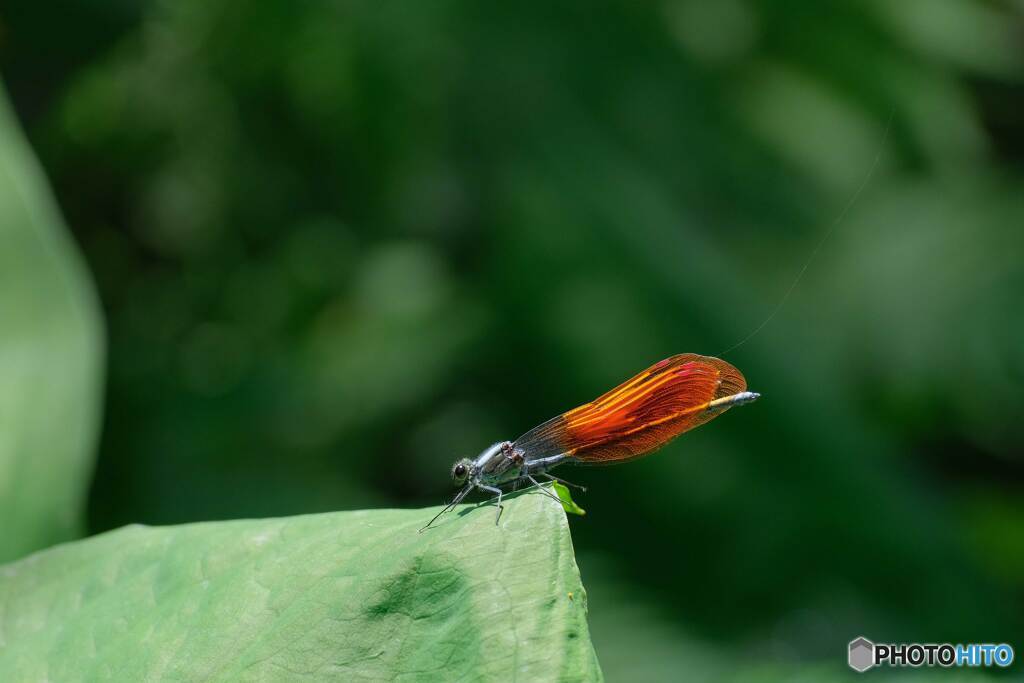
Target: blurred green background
(340, 244)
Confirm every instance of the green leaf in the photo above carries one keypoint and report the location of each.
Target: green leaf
(568, 504)
(50, 359)
(339, 596)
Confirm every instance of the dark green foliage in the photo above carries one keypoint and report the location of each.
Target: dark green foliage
(343, 244)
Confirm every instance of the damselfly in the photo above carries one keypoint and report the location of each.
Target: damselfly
(635, 418)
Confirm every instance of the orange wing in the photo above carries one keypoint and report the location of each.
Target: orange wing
(640, 415)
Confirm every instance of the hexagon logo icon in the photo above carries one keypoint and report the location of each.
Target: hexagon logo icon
(862, 654)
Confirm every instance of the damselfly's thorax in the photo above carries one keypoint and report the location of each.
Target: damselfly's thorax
(500, 462)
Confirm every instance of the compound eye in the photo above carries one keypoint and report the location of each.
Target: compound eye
(461, 471)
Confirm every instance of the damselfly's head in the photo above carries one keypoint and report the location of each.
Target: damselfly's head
(461, 471)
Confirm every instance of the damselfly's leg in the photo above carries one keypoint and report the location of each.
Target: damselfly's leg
(450, 506)
(501, 508)
(552, 477)
(543, 490)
